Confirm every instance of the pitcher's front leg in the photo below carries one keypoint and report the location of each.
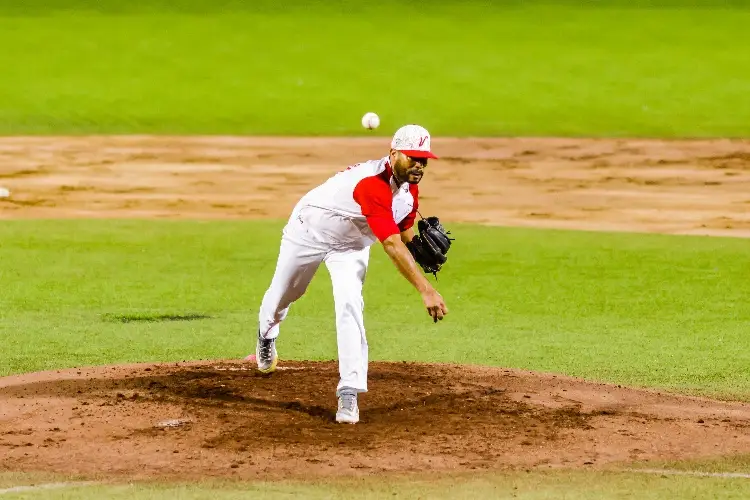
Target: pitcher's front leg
(347, 270)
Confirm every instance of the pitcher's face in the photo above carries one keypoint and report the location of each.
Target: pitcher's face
(407, 168)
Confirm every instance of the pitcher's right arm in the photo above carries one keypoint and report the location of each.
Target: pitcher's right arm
(404, 262)
(375, 199)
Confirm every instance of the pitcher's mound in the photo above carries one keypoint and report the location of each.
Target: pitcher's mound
(225, 419)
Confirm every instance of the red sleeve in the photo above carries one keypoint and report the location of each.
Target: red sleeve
(409, 220)
(376, 200)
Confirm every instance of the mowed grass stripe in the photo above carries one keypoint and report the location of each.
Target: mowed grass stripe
(532, 485)
(301, 68)
(649, 310)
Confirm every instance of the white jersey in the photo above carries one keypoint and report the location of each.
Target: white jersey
(365, 196)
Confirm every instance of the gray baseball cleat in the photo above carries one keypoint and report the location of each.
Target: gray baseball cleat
(348, 412)
(266, 355)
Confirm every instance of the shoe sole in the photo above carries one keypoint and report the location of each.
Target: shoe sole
(271, 368)
(347, 419)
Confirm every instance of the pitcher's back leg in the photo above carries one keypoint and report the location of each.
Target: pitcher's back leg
(296, 265)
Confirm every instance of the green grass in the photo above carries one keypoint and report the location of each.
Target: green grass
(733, 464)
(460, 68)
(532, 485)
(557, 485)
(650, 310)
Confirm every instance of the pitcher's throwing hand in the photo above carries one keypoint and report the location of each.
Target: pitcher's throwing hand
(436, 307)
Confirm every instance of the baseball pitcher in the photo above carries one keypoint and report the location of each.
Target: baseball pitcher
(336, 223)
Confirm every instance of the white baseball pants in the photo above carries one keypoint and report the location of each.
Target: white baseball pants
(313, 236)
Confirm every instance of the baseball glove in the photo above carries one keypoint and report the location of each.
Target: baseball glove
(431, 244)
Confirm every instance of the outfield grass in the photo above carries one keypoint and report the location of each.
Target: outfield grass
(536, 485)
(664, 311)
(460, 68)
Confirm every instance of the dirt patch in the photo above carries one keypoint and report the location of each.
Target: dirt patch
(226, 419)
(680, 187)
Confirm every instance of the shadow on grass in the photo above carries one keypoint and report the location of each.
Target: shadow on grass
(152, 317)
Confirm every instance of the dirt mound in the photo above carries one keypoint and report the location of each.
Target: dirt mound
(226, 419)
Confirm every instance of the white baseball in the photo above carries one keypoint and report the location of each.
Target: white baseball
(4, 192)
(370, 121)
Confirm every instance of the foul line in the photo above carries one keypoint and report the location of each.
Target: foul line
(45, 486)
(726, 475)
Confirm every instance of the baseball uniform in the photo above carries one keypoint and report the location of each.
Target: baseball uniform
(335, 224)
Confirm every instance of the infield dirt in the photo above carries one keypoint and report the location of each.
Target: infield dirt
(679, 187)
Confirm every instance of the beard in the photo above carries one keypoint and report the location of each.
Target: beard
(404, 173)
(413, 177)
